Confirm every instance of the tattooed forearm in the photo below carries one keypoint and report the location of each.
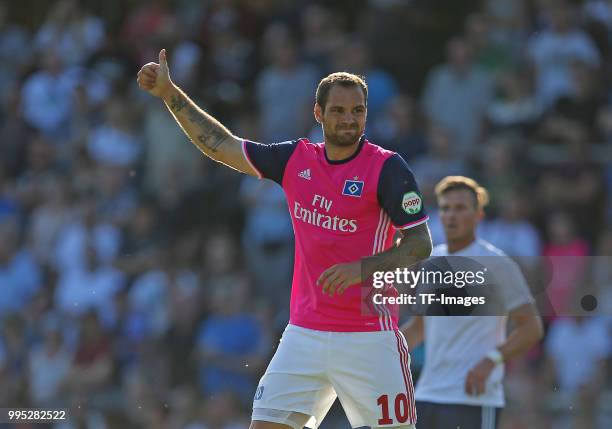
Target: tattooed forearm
(214, 134)
(212, 141)
(210, 136)
(177, 103)
(415, 245)
(203, 130)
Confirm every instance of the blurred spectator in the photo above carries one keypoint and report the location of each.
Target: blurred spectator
(555, 48)
(514, 109)
(115, 141)
(20, 275)
(488, 52)
(86, 230)
(13, 360)
(231, 347)
(456, 95)
(221, 411)
(604, 123)
(430, 168)
(118, 196)
(52, 215)
(15, 132)
(233, 62)
(15, 50)
(73, 32)
(397, 129)
(141, 239)
(267, 240)
(47, 98)
(578, 370)
(498, 160)
(354, 56)
(322, 35)
(92, 365)
(184, 406)
(566, 253)
(601, 270)
(284, 89)
(146, 383)
(9, 205)
(439, 160)
(581, 106)
(41, 167)
(142, 27)
(508, 26)
(576, 187)
(220, 254)
(170, 159)
(511, 231)
(152, 294)
(48, 364)
(90, 288)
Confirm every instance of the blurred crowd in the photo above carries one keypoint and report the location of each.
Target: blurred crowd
(143, 285)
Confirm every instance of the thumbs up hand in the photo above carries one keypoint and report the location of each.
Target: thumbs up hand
(155, 77)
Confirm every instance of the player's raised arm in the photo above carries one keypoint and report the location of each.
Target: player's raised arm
(204, 131)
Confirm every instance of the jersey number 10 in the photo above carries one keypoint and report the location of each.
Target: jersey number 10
(401, 409)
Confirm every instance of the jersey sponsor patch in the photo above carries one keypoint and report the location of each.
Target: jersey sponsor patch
(352, 188)
(411, 203)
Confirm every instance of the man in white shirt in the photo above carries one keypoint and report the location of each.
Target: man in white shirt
(460, 386)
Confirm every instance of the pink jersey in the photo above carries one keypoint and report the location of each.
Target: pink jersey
(341, 211)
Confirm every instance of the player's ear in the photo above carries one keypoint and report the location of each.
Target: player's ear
(481, 214)
(318, 112)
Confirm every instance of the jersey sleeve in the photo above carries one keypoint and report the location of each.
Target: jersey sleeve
(269, 160)
(399, 195)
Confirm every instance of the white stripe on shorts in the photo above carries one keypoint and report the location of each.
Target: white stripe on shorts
(488, 418)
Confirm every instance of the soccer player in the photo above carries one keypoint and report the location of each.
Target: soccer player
(347, 197)
(460, 386)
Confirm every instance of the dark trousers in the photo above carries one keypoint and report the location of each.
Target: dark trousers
(451, 416)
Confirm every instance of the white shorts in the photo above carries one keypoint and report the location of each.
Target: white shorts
(368, 371)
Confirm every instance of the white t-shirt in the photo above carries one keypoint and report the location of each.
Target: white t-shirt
(454, 344)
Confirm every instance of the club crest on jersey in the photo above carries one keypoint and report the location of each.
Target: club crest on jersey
(411, 203)
(352, 188)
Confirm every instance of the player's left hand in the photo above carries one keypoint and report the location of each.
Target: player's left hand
(476, 380)
(340, 276)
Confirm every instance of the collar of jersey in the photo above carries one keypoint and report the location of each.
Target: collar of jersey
(345, 160)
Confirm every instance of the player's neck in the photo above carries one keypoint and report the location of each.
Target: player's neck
(455, 246)
(340, 153)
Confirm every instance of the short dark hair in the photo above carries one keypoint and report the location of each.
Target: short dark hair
(453, 183)
(344, 79)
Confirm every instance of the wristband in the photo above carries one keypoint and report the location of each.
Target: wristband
(496, 356)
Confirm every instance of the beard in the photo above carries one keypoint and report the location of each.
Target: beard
(346, 136)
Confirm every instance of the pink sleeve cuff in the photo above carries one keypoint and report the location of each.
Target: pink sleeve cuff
(413, 224)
